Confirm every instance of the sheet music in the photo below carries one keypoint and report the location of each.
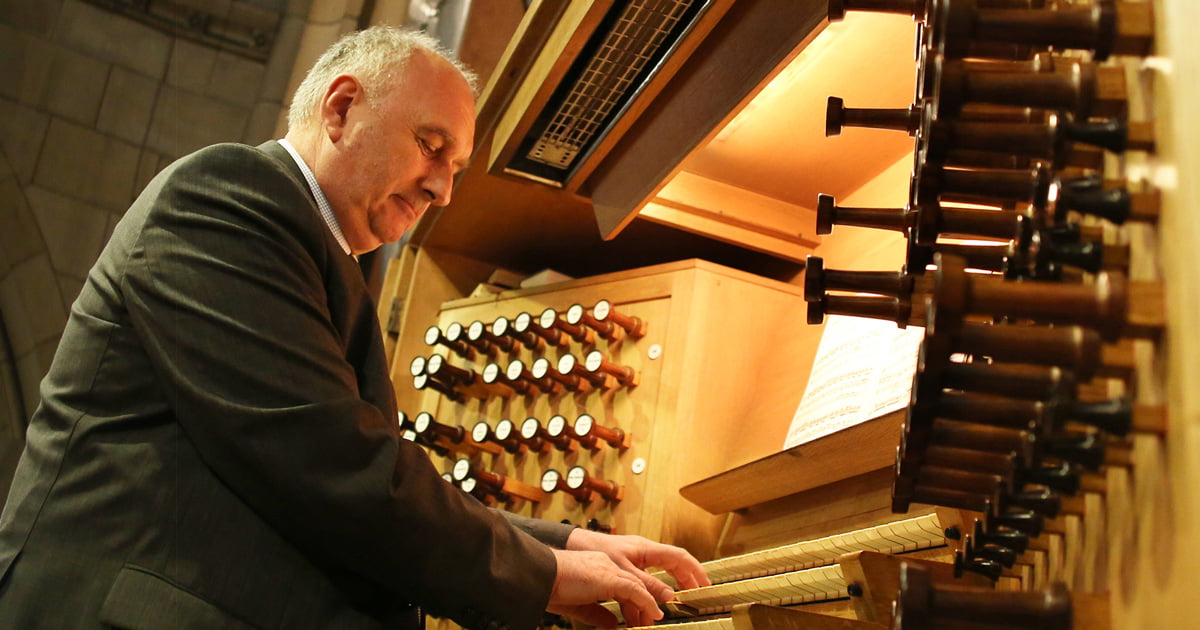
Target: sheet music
(863, 369)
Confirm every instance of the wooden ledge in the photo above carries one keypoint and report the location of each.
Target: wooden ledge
(859, 449)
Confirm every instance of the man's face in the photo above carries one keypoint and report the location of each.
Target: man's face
(395, 157)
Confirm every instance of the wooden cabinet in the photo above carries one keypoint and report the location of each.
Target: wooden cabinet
(721, 369)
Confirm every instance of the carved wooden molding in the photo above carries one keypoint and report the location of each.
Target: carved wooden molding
(245, 30)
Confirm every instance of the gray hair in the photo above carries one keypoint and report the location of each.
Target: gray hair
(375, 56)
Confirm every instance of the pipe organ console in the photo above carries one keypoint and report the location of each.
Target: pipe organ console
(1016, 466)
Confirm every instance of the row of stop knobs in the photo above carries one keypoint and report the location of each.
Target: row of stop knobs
(577, 483)
(531, 436)
(596, 371)
(536, 333)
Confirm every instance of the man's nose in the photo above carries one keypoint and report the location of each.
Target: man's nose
(438, 185)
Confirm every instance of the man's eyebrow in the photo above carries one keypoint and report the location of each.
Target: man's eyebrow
(447, 138)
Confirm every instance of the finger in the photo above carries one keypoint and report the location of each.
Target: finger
(637, 603)
(658, 588)
(637, 617)
(593, 615)
(686, 570)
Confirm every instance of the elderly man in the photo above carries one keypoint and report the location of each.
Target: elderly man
(216, 444)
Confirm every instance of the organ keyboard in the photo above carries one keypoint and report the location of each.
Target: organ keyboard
(798, 573)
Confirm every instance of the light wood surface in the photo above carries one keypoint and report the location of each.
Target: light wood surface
(803, 467)
(703, 390)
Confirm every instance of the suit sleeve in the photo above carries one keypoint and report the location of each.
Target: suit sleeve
(225, 286)
(546, 532)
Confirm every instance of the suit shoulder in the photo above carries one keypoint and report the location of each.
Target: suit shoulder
(235, 183)
(231, 159)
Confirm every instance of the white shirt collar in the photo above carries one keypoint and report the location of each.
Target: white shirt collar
(322, 202)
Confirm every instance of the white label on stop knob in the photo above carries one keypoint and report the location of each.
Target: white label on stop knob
(550, 480)
(638, 466)
(593, 360)
(480, 432)
(583, 425)
(576, 477)
(417, 367)
(514, 370)
(434, 365)
(504, 429)
(432, 334)
(422, 422)
(491, 372)
(601, 309)
(529, 428)
(475, 331)
(575, 314)
(547, 318)
(540, 368)
(462, 468)
(566, 364)
(556, 425)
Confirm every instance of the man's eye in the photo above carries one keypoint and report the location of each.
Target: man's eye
(426, 146)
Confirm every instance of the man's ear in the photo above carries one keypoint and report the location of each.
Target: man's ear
(344, 91)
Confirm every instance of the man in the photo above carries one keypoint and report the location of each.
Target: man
(216, 444)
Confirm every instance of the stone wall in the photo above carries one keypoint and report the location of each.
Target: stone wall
(92, 105)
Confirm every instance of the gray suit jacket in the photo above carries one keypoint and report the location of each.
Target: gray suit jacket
(216, 445)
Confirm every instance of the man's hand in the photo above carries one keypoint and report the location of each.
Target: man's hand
(634, 554)
(587, 577)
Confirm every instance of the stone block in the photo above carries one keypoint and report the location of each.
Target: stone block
(114, 38)
(32, 305)
(128, 105)
(298, 8)
(87, 165)
(283, 59)
(22, 131)
(184, 122)
(218, 8)
(12, 62)
(273, 6)
(31, 16)
(264, 119)
(74, 231)
(191, 65)
(16, 317)
(148, 167)
(235, 79)
(326, 11)
(20, 237)
(113, 219)
(256, 18)
(69, 288)
(75, 86)
(24, 66)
